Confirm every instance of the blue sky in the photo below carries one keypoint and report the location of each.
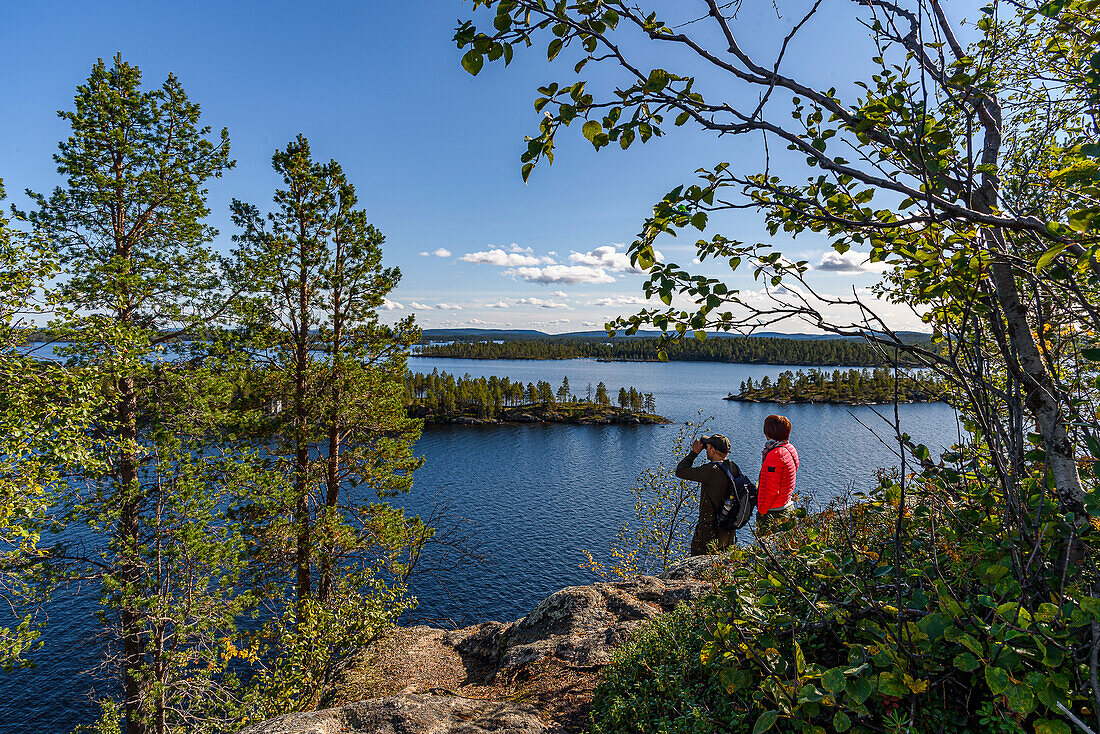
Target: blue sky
(434, 152)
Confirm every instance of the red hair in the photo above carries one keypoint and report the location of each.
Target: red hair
(777, 428)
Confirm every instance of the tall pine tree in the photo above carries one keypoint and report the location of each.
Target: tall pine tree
(128, 225)
(339, 434)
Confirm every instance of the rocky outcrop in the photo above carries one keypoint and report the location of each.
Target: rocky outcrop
(532, 675)
(412, 714)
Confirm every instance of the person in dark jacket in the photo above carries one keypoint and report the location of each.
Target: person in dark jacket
(777, 474)
(714, 485)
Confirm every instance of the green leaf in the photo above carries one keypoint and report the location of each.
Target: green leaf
(1046, 258)
(554, 49)
(1082, 219)
(966, 662)
(473, 61)
(891, 684)
(1020, 698)
(1052, 726)
(765, 721)
(841, 722)
(591, 129)
(858, 688)
(658, 80)
(833, 680)
(997, 679)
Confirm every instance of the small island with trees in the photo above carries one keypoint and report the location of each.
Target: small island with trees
(440, 397)
(841, 387)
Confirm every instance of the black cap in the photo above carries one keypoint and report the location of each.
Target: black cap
(718, 441)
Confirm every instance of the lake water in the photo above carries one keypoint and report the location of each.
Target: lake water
(536, 497)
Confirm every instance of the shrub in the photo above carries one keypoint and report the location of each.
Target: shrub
(892, 615)
(906, 610)
(657, 683)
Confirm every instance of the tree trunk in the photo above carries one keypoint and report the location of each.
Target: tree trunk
(1024, 359)
(335, 426)
(1040, 393)
(301, 456)
(133, 638)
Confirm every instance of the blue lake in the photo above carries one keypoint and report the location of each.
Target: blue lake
(535, 496)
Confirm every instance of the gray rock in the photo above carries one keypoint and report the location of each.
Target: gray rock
(413, 714)
(693, 567)
(574, 632)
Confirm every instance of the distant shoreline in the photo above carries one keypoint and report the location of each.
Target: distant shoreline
(592, 415)
(612, 360)
(835, 401)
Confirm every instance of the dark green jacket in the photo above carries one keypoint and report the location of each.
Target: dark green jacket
(714, 486)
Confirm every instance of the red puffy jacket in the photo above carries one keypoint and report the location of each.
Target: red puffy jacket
(777, 478)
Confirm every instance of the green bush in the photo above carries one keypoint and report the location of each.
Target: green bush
(656, 683)
(909, 610)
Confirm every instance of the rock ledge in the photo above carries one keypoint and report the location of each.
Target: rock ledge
(533, 675)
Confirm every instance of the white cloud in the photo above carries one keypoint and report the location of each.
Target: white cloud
(567, 274)
(420, 306)
(448, 307)
(425, 254)
(552, 322)
(850, 262)
(479, 322)
(620, 301)
(441, 252)
(608, 257)
(543, 303)
(499, 304)
(388, 305)
(559, 294)
(522, 250)
(504, 259)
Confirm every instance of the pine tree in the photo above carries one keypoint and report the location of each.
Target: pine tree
(314, 279)
(129, 227)
(563, 391)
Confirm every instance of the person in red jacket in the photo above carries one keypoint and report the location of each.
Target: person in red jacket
(777, 474)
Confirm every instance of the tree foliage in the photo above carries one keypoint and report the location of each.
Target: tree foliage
(328, 397)
(970, 171)
(127, 228)
(742, 350)
(443, 395)
(847, 386)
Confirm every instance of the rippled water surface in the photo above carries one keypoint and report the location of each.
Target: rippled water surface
(537, 496)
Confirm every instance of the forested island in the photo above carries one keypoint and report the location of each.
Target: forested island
(841, 387)
(737, 349)
(440, 397)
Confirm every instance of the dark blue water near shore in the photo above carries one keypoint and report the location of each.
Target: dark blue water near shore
(536, 495)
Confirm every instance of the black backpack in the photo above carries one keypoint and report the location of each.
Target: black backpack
(737, 508)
